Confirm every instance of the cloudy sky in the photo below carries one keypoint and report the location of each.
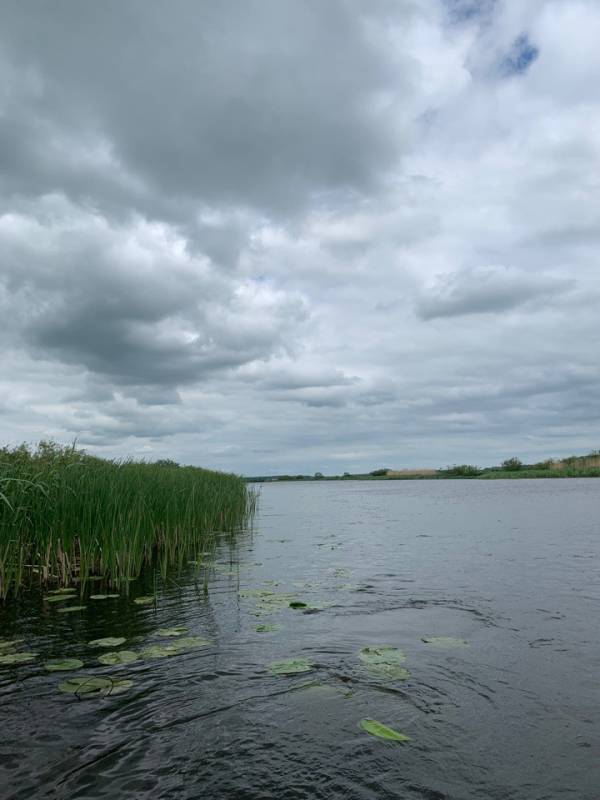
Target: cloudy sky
(298, 235)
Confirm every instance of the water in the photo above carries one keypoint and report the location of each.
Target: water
(509, 566)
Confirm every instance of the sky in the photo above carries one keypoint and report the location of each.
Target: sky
(279, 236)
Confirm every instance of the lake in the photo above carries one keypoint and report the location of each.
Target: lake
(500, 578)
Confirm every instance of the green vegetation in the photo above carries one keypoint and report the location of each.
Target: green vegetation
(382, 731)
(66, 516)
(587, 466)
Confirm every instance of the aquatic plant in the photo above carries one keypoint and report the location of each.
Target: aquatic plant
(67, 516)
(444, 641)
(382, 731)
(109, 641)
(93, 686)
(291, 667)
(118, 657)
(383, 661)
(64, 665)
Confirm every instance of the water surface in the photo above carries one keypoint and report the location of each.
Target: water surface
(511, 567)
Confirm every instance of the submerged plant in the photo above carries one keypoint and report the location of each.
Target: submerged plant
(172, 631)
(444, 641)
(94, 686)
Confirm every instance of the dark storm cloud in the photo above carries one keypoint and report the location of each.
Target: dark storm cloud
(260, 103)
(488, 291)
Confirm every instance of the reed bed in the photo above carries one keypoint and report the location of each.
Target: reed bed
(66, 516)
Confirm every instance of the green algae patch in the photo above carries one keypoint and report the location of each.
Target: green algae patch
(118, 657)
(17, 658)
(172, 631)
(69, 609)
(445, 641)
(383, 661)
(382, 731)
(64, 665)
(291, 667)
(109, 641)
(94, 686)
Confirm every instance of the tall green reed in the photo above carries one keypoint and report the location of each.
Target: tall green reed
(65, 515)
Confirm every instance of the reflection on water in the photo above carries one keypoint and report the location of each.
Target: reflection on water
(489, 589)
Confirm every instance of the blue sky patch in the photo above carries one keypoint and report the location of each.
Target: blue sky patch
(522, 54)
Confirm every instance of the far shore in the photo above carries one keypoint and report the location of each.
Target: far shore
(587, 466)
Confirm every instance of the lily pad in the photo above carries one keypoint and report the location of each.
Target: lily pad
(110, 641)
(64, 665)
(444, 641)
(103, 596)
(91, 686)
(118, 657)
(382, 731)
(58, 598)
(160, 651)
(8, 644)
(17, 658)
(268, 628)
(68, 609)
(145, 600)
(64, 590)
(297, 604)
(172, 631)
(292, 667)
(384, 661)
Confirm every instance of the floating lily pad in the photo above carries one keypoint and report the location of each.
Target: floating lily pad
(268, 628)
(144, 600)
(103, 596)
(118, 657)
(172, 631)
(17, 658)
(382, 731)
(160, 651)
(8, 644)
(384, 661)
(444, 641)
(110, 641)
(292, 667)
(64, 665)
(297, 604)
(91, 686)
(58, 598)
(64, 590)
(69, 609)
